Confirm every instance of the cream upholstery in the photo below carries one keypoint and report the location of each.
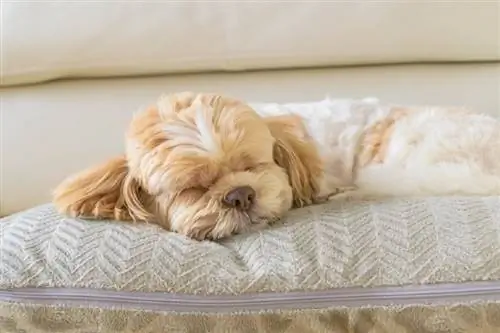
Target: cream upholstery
(44, 40)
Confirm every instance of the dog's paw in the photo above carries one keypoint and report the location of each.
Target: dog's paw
(338, 191)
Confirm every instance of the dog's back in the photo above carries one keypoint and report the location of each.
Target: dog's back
(436, 151)
(402, 151)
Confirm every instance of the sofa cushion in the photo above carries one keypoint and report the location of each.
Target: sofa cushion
(43, 41)
(60, 273)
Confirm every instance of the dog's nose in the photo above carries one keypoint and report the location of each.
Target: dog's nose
(241, 197)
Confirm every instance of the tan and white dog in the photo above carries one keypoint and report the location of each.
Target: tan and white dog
(209, 166)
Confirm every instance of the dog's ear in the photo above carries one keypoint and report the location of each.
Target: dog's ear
(107, 191)
(295, 151)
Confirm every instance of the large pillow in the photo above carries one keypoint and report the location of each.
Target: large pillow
(49, 40)
(401, 265)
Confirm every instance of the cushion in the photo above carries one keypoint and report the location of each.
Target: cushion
(44, 41)
(396, 265)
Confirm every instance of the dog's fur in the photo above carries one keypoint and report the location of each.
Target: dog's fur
(184, 154)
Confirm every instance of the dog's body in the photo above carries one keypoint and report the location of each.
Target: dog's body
(209, 166)
(381, 150)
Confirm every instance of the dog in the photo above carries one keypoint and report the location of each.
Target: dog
(209, 166)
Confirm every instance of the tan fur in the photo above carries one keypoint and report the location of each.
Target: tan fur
(373, 147)
(103, 192)
(183, 156)
(296, 153)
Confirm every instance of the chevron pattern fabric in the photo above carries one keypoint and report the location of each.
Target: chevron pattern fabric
(339, 244)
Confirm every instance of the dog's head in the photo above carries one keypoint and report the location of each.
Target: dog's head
(202, 165)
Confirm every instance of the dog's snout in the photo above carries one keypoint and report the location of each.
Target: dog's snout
(241, 197)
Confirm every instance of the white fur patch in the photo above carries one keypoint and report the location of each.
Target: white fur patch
(199, 136)
(431, 151)
(205, 129)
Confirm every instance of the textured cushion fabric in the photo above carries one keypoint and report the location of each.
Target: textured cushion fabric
(339, 244)
(42, 41)
(324, 247)
(75, 124)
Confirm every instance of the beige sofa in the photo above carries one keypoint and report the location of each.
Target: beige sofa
(73, 73)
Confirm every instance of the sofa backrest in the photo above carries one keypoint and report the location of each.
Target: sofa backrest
(44, 41)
